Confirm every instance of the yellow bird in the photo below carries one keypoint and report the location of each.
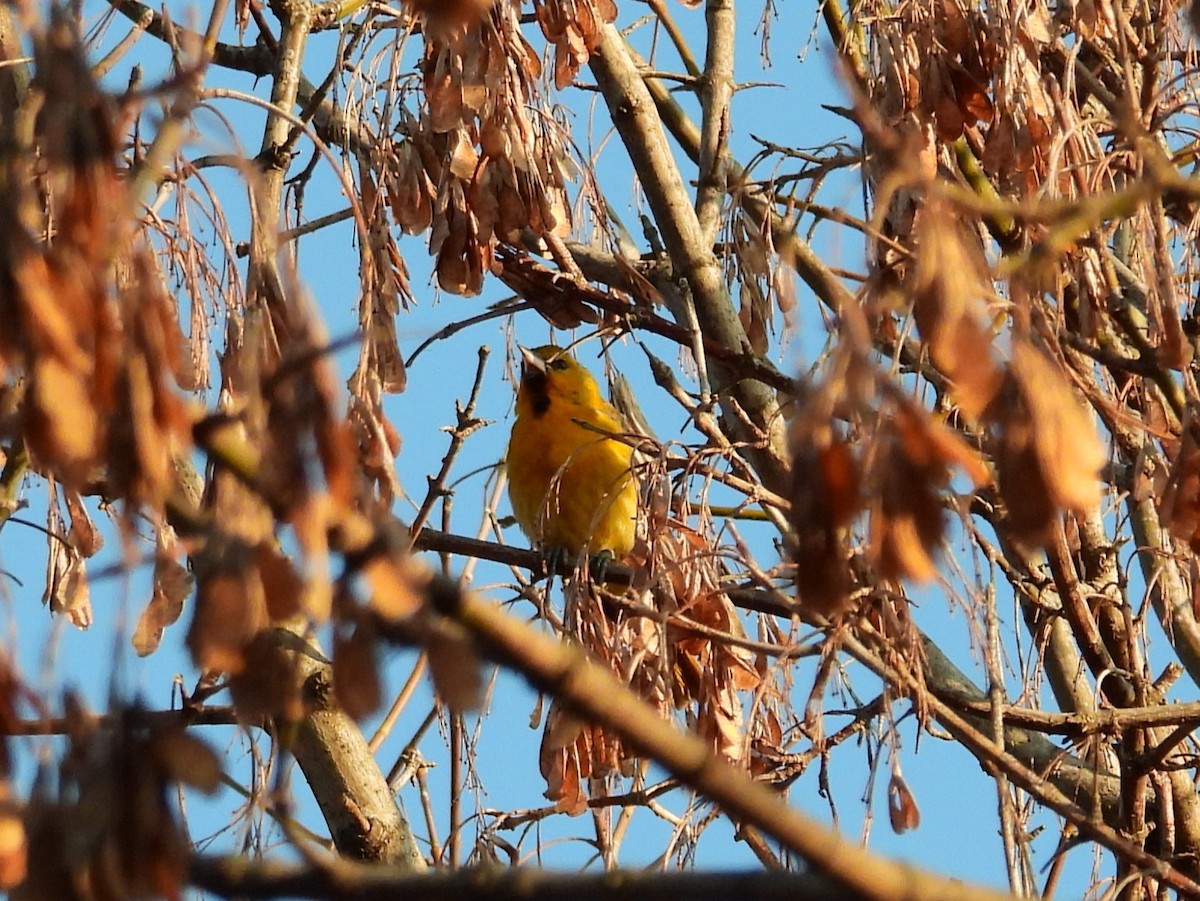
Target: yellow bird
(571, 488)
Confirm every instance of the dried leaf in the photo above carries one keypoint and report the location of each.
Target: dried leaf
(1069, 451)
(826, 497)
(111, 834)
(955, 33)
(562, 729)
(913, 465)
(356, 672)
(398, 586)
(971, 96)
(66, 585)
(707, 669)
(311, 521)
(948, 289)
(932, 444)
(172, 585)
(754, 315)
(183, 758)
(941, 103)
(268, 683)
(14, 847)
(559, 298)
(464, 161)
(572, 26)
(564, 783)
(377, 442)
(1175, 350)
(410, 192)
(441, 20)
(145, 469)
(1179, 499)
(1048, 453)
(283, 590)
(85, 538)
(231, 607)
(62, 427)
(783, 289)
(1029, 509)
(903, 812)
(455, 666)
(385, 285)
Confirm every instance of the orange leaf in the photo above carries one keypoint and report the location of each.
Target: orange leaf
(397, 586)
(282, 589)
(84, 535)
(230, 611)
(949, 286)
(67, 585)
(63, 429)
(356, 673)
(186, 759)
(454, 665)
(14, 850)
(903, 812)
(1069, 450)
(172, 584)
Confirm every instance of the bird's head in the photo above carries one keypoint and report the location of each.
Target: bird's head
(550, 374)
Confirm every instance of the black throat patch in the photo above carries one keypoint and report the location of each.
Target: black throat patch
(535, 384)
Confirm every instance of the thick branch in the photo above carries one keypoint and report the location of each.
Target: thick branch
(235, 877)
(974, 736)
(717, 94)
(594, 694)
(633, 113)
(355, 798)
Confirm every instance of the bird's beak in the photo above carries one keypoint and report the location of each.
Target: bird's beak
(531, 361)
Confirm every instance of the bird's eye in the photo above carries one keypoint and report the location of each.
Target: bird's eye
(560, 363)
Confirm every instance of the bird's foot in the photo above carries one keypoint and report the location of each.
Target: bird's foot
(553, 559)
(598, 565)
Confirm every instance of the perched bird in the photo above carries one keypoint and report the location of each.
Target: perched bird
(575, 490)
(572, 489)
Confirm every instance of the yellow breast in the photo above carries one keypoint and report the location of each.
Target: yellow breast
(571, 487)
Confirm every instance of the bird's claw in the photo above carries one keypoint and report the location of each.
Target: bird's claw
(598, 565)
(553, 558)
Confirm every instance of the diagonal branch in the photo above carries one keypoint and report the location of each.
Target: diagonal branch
(592, 692)
(633, 112)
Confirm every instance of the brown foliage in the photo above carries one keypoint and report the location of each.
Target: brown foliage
(826, 498)
(913, 464)
(85, 317)
(1048, 455)
(172, 585)
(1030, 256)
(111, 833)
(478, 166)
(674, 640)
(950, 285)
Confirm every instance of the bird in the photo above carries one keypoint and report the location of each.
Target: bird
(575, 490)
(572, 489)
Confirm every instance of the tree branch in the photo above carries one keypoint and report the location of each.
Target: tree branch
(633, 113)
(341, 881)
(592, 693)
